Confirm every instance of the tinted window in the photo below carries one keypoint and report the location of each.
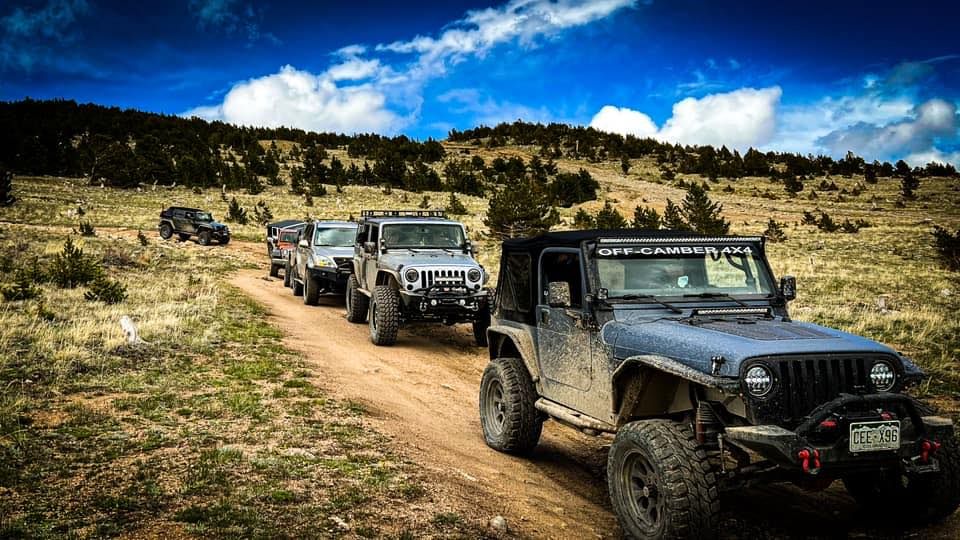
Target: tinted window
(427, 235)
(565, 267)
(335, 237)
(514, 291)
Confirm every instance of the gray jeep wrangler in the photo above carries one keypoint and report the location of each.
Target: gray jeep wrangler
(682, 348)
(319, 263)
(415, 266)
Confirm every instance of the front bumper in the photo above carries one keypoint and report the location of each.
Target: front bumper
(821, 443)
(447, 303)
(331, 280)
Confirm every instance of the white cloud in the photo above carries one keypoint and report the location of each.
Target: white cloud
(300, 99)
(914, 135)
(624, 121)
(738, 119)
(362, 94)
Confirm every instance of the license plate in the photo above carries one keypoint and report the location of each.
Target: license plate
(875, 436)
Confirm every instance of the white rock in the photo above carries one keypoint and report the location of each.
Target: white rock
(498, 523)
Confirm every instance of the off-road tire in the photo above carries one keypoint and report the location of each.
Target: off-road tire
(480, 326)
(204, 238)
(274, 270)
(917, 499)
(296, 286)
(225, 240)
(510, 421)
(183, 237)
(311, 291)
(286, 275)
(384, 315)
(357, 303)
(166, 231)
(661, 483)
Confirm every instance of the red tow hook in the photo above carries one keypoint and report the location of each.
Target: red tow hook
(805, 457)
(928, 448)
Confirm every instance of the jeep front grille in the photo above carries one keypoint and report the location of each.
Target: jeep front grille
(805, 382)
(429, 278)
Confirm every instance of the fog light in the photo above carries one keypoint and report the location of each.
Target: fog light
(882, 376)
(433, 302)
(759, 381)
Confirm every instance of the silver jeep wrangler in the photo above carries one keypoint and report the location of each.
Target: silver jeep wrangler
(415, 266)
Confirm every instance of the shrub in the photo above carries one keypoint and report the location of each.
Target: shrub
(86, 229)
(236, 213)
(948, 247)
(826, 223)
(908, 186)
(106, 290)
(808, 218)
(609, 218)
(793, 185)
(262, 213)
(774, 232)
(142, 238)
(583, 220)
(424, 202)
(645, 217)
(6, 187)
(455, 207)
(22, 288)
(71, 267)
(828, 186)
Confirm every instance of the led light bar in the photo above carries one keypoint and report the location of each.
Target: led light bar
(690, 239)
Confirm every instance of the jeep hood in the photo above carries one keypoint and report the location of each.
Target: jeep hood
(694, 343)
(331, 251)
(434, 257)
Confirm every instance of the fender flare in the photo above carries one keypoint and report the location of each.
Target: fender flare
(389, 272)
(634, 365)
(501, 337)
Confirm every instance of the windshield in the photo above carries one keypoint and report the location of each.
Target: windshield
(427, 235)
(203, 216)
(709, 272)
(335, 237)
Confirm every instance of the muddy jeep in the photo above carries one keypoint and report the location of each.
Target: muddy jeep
(415, 266)
(187, 222)
(681, 347)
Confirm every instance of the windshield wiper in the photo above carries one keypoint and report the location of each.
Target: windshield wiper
(671, 307)
(716, 295)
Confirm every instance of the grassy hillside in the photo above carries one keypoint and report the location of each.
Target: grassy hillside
(204, 429)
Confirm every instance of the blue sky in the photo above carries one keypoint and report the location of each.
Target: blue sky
(879, 78)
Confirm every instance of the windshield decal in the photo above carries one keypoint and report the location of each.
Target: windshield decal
(657, 251)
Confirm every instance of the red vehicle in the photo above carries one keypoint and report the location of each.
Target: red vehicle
(283, 240)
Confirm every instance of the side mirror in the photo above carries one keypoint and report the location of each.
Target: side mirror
(558, 294)
(788, 287)
(369, 247)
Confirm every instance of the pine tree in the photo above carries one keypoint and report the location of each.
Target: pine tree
(583, 220)
(701, 214)
(774, 232)
(673, 218)
(609, 218)
(236, 213)
(455, 207)
(6, 187)
(625, 164)
(792, 184)
(908, 186)
(522, 210)
(645, 217)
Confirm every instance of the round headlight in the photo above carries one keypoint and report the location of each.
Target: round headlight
(411, 275)
(474, 274)
(882, 376)
(759, 381)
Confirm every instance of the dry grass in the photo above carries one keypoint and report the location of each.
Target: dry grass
(202, 431)
(211, 429)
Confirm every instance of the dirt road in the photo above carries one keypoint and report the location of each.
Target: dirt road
(423, 394)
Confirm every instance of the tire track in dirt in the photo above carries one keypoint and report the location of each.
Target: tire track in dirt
(423, 394)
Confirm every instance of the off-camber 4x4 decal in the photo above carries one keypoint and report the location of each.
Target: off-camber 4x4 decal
(654, 251)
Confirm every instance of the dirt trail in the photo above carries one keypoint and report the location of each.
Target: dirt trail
(423, 394)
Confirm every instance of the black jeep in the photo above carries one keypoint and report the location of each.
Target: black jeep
(187, 222)
(682, 347)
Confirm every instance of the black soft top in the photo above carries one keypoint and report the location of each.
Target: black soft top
(537, 244)
(284, 224)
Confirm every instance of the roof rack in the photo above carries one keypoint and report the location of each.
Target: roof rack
(404, 213)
